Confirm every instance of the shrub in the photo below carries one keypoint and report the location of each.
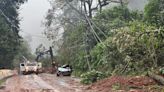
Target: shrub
(92, 76)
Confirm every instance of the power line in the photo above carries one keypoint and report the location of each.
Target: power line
(34, 35)
(92, 29)
(8, 19)
(84, 16)
(98, 28)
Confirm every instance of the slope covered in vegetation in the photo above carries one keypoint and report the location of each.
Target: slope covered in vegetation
(114, 40)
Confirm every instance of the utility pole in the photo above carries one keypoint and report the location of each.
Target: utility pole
(51, 54)
(87, 47)
(86, 36)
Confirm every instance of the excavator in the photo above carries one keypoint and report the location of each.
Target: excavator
(35, 66)
(53, 63)
(64, 70)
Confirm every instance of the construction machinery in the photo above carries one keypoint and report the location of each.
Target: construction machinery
(54, 64)
(30, 67)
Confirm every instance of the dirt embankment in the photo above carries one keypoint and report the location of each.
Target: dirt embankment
(126, 84)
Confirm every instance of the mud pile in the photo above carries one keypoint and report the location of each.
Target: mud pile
(125, 84)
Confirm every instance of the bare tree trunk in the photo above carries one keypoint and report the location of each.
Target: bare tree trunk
(100, 5)
(90, 8)
(121, 2)
(87, 48)
(158, 78)
(154, 55)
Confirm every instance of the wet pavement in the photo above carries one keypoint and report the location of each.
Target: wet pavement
(27, 83)
(42, 83)
(64, 84)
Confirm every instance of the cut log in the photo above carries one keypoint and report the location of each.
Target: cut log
(157, 78)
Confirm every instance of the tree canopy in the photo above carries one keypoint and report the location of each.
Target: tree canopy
(112, 39)
(154, 12)
(9, 28)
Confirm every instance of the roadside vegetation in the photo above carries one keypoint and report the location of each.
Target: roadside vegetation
(12, 45)
(98, 41)
(1, 82)
(112, 41)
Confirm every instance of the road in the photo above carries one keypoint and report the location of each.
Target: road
(42, 83)
(51, 83)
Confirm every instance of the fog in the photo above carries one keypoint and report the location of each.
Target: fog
(32, 14)
(137, 4)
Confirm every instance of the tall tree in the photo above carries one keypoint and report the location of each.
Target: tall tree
(154, 12)
(9, 28)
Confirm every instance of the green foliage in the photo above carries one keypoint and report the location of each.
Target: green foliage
(107, 57)
(132, 42)
(10, 13)
(73, 48)
(8, 44)
(139, 44)
(161, 71)
(92, 76)
(132, 48)
(22, 50)
(114, 18)
(72, 51)
(116, 86)
(2, 82)
(154, 12)
(9, 28)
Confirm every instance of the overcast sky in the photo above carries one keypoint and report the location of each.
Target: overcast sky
(137, 4)
(32, 14)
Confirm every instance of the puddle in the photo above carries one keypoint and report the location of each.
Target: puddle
(63, 83)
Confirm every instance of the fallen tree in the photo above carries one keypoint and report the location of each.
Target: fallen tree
(156, 77)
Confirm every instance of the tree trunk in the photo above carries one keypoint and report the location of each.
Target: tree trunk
(158, 78)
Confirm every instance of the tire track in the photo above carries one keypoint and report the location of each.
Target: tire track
(27, 83)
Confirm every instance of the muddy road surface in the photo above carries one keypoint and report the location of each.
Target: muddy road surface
(42, 83)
